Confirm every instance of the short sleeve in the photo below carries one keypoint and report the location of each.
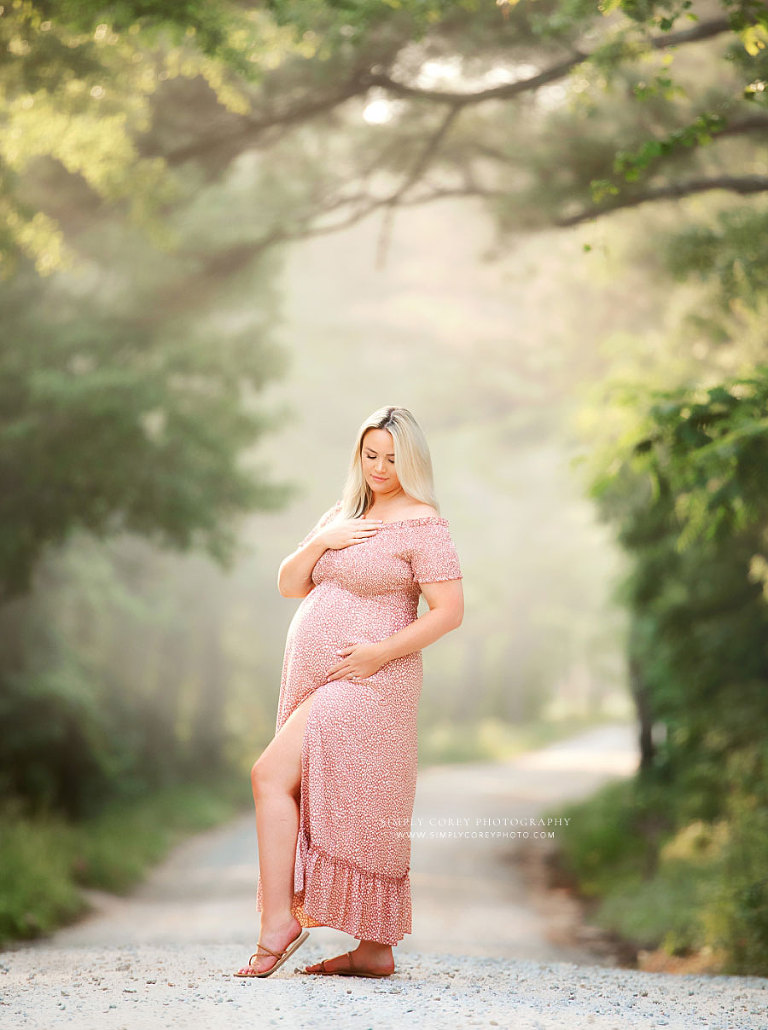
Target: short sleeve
(324, 519)
(433, 554)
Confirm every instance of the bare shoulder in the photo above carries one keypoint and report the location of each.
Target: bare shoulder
(421, 511)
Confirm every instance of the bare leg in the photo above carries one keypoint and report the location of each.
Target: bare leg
(276, 781)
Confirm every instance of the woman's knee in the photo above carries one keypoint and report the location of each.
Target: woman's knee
(267, 779)
(261, 777)
(278, 768)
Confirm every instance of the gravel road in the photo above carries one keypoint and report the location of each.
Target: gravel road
(485, 950)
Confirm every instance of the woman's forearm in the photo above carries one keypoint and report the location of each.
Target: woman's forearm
(294, 577)
(418, 634)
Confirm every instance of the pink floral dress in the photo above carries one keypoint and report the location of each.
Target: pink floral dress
(359, 753)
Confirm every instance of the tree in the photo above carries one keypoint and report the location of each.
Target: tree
(598, 108)
(112, 427)
(551, 113)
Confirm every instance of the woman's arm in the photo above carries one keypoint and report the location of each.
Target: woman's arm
(294, 577)
(446, 611)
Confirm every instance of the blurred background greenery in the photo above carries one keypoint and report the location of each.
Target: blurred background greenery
(232, 230)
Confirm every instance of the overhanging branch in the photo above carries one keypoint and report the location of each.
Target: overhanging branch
(743, 185)
(249, 130)
(705, 30)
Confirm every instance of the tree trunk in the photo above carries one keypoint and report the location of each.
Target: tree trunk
(641, 697)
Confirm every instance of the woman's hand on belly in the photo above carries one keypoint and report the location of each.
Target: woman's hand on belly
(358, 661)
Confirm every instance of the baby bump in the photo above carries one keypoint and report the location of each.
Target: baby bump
(330, 618)
(314, 658)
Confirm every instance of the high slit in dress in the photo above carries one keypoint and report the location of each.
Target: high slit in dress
(359, 751)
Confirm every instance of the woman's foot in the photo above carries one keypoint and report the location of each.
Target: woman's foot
(277, 938)
(368, 957)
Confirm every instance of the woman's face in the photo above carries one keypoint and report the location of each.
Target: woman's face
(378, 458)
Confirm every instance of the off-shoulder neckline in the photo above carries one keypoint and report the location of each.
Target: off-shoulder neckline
(419, 520)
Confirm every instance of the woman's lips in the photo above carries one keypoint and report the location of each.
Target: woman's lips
(378, 479)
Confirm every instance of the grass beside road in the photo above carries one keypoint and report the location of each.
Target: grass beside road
(46, 860)
(689, 895)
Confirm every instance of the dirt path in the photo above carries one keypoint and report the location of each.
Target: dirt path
(469, 894)
(483, 952)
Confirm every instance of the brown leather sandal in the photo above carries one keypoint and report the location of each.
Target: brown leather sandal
(250, 969)
(343, 972)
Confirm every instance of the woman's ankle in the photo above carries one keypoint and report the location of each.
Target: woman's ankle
(375, 949)
(278, 921)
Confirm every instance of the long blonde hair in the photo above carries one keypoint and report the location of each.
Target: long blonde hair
(413, 464)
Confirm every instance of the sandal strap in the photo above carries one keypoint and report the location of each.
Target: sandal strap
(352, 965)
(277, 954)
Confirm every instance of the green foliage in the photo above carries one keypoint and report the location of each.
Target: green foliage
(698, 132)
(128, 670)
(738, 914)
(684, 487)
(211, 24)
(654, 885)
(729, 254)
(108, 426)
(45, 860)
(59, 747)
(132, 376)
(131, 399)
(38, 890)
(700, 887)
(691, 508)
(709, 446)
(112, 851)
(350, 21)
(96, 89)
(612, 837)
(78, 85)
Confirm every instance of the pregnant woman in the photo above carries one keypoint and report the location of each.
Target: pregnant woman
(334, 789)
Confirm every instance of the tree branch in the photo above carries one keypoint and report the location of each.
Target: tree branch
(249, 129)
(419, 167)
(504, 92)
(204, 282)
(744, 185)
(361, 205)
(756, 123)
(704, 30)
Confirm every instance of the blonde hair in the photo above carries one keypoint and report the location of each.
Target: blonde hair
(413, 464)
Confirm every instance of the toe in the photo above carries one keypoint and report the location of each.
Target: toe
(254, 969)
